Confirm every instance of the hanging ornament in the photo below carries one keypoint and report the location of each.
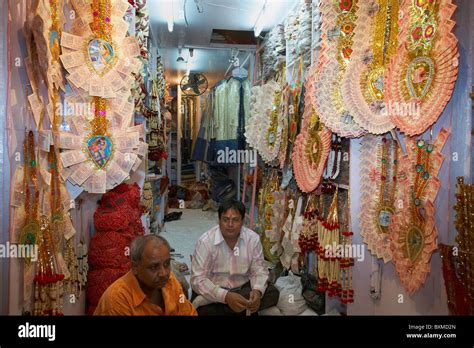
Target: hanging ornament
(329, 240)
(311, 147)
(308, 238)
(339, 18)
(345, 290)
(413, 233)
(265, 209)
(378, 172)
(375, 41)
(465, 239)
(102, 149)
(48, 278)
(284, 110)
(31, 228)
(420, 78)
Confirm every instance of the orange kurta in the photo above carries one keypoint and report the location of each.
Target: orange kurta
(125, 297)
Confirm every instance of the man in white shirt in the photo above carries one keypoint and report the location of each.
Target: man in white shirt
(228, 269)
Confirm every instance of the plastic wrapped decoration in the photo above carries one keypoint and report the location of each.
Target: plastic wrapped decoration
(338, 26)
(375, 41)
(274, 51)
(298, 33)
(421, 76)
(413, 234)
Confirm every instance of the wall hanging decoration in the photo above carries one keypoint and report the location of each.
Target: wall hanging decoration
(102, 149)
(420, 78)
(328, 262)
(375, 41)
(378, 172)
(339, 18)
(308, 238)
(460, 302)
(265, 209)
(465, 239)
(276, 211)
(30, 230)
(311, 147)
(263, 124)
(48, 279)
(142, 32)
(345, 291)
(413, 233)
(284, 113)
(272, 134)
(291, 231)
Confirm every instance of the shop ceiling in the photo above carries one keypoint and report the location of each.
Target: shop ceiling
(196, 24)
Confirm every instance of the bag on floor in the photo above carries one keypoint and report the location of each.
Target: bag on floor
(291, 301)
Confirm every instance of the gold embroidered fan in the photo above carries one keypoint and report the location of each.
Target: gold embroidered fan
(421, 76)
(311, 147)
(413, 234)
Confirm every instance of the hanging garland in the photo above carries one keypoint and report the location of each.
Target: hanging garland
(103, 149)
(31, 228)
(339, 19)
(465, 239)
(378, 170)
(413, 233)
(420, 77)
(375, 41)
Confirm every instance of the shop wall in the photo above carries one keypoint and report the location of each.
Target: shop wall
(430, 299)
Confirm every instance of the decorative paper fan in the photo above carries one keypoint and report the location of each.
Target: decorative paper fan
(263, 131)
(100, 64)
(378, 172)
(46, 29)
(311, 147)
(339, 19)
(413, 233)
(375, 40)
(102, 148)
(420, 78)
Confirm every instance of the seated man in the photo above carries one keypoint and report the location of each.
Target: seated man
(228, 269)
(149, 288)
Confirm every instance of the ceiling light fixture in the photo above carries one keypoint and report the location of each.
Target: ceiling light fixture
(169, 16)
(258, 24)
(180, 58)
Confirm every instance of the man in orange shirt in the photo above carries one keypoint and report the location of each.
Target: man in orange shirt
(149, 288)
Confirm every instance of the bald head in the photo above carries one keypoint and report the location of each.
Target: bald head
(145, 242)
